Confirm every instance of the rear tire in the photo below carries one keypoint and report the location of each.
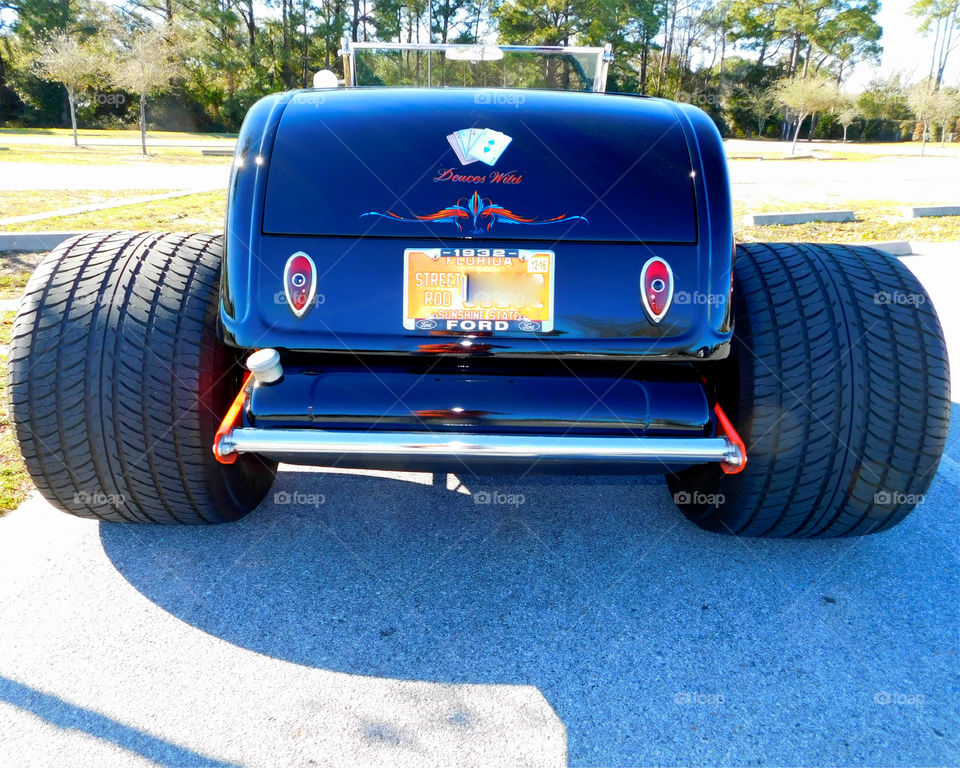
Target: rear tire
(118, 382)
(839, 386)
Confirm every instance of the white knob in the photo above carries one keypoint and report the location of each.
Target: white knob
(265, 366)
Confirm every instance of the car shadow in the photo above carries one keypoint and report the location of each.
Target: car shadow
(655, 642)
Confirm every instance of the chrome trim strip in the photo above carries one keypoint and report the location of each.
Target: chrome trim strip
(317, 442)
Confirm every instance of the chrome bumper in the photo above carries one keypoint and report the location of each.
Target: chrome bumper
(321, 444)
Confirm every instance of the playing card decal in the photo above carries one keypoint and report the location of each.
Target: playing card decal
(483, 144)
(476, 215)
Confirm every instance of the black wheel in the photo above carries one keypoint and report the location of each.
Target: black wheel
(839, 386)
(118, 382)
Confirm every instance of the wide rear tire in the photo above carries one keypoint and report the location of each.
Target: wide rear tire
(839, 386)
(118, 382)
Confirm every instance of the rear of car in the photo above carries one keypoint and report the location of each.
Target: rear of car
(500, 295)
(477, 278)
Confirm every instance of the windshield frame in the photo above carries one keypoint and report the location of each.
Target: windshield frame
(603, 54)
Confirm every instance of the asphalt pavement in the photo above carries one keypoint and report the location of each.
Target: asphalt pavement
(364, 618)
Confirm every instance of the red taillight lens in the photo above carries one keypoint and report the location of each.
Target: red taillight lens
(656, 288)
(300, 283)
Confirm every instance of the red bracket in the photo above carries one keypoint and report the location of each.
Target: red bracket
(229, 422)
(727, 430)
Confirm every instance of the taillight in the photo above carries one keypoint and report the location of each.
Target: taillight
(300, 283)
(656, 288)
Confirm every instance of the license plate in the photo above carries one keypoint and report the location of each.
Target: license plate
(478, 289)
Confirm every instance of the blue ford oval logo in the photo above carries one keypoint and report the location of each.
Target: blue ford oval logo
(528, 325)
(426, 325)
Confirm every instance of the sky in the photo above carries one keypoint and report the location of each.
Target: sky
(904, 49)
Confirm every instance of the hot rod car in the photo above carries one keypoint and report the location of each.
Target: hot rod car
(472, 279)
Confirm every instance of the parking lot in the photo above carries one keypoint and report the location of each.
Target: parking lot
(374, 618)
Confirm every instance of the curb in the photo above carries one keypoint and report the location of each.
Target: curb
(921, 211)
(33, 241)
(796, 217)
(891, 247)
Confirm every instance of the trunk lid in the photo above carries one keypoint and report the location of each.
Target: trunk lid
(498, 165)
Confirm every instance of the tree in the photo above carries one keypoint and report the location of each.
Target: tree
(847, 113)
(852, 35)
(804, 96)
(760, 103)
(543, 22)
(882, 104)
(942, 17)
(944, 108)
(629, 26)
(147, 67)
(923, 101)
(76, 64)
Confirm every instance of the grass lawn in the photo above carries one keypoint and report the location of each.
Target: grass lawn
(100, 155)
(24, 202)
(15, 484)
(121, 133)
(202, 212)
(876, 220)
(13, 283)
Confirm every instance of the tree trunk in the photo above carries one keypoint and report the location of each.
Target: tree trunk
(251, 27)
(936, 46)
(794, 53)
(285, 44)
(671, 14)
(143, 123)
(946, 51)
(644, 54)
(796, 134)
(72, 99)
